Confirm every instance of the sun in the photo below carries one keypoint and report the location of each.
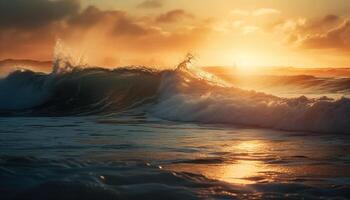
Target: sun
(248, 63)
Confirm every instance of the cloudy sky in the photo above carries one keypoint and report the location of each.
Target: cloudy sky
(160, 32)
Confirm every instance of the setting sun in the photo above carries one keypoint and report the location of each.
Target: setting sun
(248, 34)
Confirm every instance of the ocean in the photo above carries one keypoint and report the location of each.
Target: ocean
(141, 133)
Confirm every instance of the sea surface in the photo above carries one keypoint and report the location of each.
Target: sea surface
(137, 133)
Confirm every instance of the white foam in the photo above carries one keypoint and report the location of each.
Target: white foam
(188, 99)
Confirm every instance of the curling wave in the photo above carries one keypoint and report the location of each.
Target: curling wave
(186, 94)
(79, 91)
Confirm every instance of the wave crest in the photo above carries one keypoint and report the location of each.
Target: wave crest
(186, 94)
(187, 99)
(81, 91)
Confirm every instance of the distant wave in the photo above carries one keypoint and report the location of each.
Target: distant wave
(298, 83)
(187, 99)
(186, 94)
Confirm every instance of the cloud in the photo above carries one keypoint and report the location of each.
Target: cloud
(253, 21)
(24, 14)
(265, 11)
(126, 27)
(322, 24)
(250, 29)
(118, 22)
(240, 12)
(111, 36)
(255, 13)
(151, 4)
(329, 32)
(173, 16)
(330, 18)
(336, 38)
(88, 17)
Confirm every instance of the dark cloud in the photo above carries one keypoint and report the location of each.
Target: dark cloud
(151, 4)
(127, 27)
(322, 24)
(90, 16)
(101, 34)
(118, 21)
(24, 14)
(329, 32)
(331, 18)
(336, 38)
(173, 16)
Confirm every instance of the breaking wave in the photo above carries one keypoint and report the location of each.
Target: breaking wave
(186, 94)
(192, 100)
(80, 91)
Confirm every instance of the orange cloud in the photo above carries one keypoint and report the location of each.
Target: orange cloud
(329, 32)
(108, 36)
(151, 4)
(24, 14)
(173, 16)
(335, 38)
(265, 11)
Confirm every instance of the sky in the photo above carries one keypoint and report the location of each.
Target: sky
(244, 33)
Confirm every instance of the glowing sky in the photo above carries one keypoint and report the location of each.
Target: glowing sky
(160, 32)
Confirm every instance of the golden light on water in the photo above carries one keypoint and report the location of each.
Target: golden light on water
(250, 162)
(240, 172)
(252, 145)
(243, 169)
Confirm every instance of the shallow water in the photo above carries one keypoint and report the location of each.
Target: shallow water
(141, 157)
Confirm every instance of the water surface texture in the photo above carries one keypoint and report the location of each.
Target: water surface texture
(143, 158)
(138, 133)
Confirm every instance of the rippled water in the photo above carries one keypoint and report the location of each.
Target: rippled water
(140, 157)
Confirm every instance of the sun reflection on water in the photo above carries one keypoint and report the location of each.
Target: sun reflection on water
(243, 162)
(242, 167)
(241, 172)
(250, 146)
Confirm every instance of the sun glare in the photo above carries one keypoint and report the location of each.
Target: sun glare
(248, 63)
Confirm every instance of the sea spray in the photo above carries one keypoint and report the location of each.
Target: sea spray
(184, 97)
(186, 94)
(65, 60)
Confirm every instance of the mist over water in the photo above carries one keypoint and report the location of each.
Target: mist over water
(184, 133)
